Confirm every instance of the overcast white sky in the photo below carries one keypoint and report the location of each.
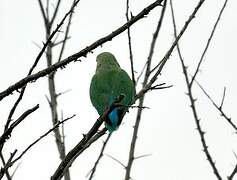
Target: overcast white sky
(167, 130)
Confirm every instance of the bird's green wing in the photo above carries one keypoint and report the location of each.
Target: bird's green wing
(106, 86)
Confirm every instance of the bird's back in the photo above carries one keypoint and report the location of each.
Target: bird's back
(107, 85)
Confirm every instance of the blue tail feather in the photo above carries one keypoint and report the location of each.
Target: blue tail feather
(113, 118)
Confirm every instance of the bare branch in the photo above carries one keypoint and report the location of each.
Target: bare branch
(15, 169)
(92, 172)
(116, 160)
(59, 140)
(8, 132)
(47, 10)
(55, 13)
(5, 168)
(141, 99)
(10, 162)
(60, 42)
(85, 142)
(98, 135)
(142, 71)
(142, 156)
(81, 53)
(232, 173)
(208, 42)
(192, 100)
(219, 108)
(43, 12)
(66, 34)
(4, 163)
(167, 55)
(154, 39)
(23, 86)
(40, 138)
(223, 98)
(130, 45)
(64, 92)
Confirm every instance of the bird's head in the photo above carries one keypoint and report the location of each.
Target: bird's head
(105, 61)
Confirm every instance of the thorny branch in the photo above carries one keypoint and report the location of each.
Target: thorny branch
(130, 44)
(66, 36)
(85, 142)
(53, 102)
(167, 55)
(223, 114)
(87, 138)
(208, 42)
(40, 138)
(8, 132)
(8, 129)
(219, 108)
(190, 94)
(23, 86)
(76, 56)
(141, 99)
(12, 161)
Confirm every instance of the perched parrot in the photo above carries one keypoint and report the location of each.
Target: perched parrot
(109, 83)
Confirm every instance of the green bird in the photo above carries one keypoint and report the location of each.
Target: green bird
(109, 83)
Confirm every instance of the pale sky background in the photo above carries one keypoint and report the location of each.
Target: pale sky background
(167, 130)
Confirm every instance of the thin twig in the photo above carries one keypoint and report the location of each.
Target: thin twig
(43, 12)
(59, 139)
(51, 21)
(66, 35)
(8, 132)
(15, 169)
(219, 108)
(5, 168)
(99, 157)
(140, 75)
(76, 56)
(64, 92)
(85, 142)
(47, 9)
(11, 161)
(168, 53)
(40, 138)
(98, 135)
(142, 156)
(23, 86)
(223, 98)
(116, 160)
(4, 163)
(208, 42)
(154, 39)
(60, 42)
(141, 99)
(130, 45)
(232, 173)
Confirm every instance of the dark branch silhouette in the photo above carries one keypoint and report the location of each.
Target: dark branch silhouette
(62, 64)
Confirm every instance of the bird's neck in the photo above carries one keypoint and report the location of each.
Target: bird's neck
(106, 68)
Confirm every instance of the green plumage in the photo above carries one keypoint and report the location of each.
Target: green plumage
(108, 83)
